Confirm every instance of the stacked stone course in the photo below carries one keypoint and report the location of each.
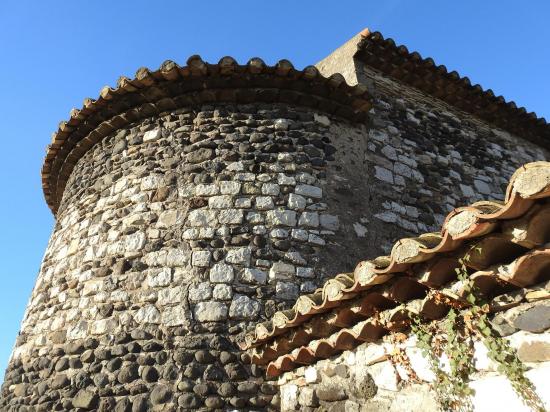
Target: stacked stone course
(179, 230)
(172, 236)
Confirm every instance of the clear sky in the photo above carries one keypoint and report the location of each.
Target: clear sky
(54, 53)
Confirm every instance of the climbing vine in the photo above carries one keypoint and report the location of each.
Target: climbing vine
(453, 339)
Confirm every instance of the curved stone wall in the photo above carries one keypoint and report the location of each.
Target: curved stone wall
(172, 237)
(179, 231)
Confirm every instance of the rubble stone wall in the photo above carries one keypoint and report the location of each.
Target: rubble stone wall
(178, 233)
(367, 379)
(427, 158)
(172, 237)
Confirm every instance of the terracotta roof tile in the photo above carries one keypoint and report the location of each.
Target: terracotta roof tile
(423, 74)
(510, 251)
(172, 86)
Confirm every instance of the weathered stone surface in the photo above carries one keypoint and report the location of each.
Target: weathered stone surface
(531, 347)
(282, 217)
(128, 374)
(221, 272)
(330, 393)
(210, 311)
(384, 375)
(202, 218)
(160, 394)
(152, 135)
(243, 307)
(330, 222)
(147, 314)
(200, 292)
(308, 397)
(200, 155)
(287, 290)
(240, 256)
(289, 397)
(296, 202)
(309, 219)
(254, 276)
(85, 399)
(309, 191)
(536, 319)
(189, 401)
(281, 270)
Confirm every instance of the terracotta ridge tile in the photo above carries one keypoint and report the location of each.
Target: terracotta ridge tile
(422, 73)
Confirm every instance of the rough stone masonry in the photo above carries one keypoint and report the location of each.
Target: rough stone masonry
(193, 202)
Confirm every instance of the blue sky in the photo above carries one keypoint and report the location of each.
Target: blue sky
(53, 54)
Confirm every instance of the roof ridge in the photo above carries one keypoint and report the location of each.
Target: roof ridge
(424, 74)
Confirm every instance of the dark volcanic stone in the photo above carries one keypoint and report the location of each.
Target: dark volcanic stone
(185, 385)
(123, 405)
(81, 380)
(85, 399)
(62, 364)
(259, 401)
(192, 371)
(122, 337)
(138, 388)
(201, 389)
(213, 373)
(133, 347)
(161, 357)
(75, 363)
(106, 404)
(140, 334)
(118, 350)
(140, 404)
(102, 354)
(170, 372)
(214, 402)
(183, 356)
(114, 364)
(149, 374)
(200, 155)
(74, 348)
(128, 373)
(536, 319)
(160, 394)
(236, 371)
(189, 401)
(268, 389)
(60, 381)
(87, 356)
(42, 387)
(227, 357)
(151, 346)
(247, 387)
(203, 356)
(106, 310)
(226, 389)
(238, 402)
(101, 380)
(91, 343)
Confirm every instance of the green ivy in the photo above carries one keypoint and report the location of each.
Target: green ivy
(454, 336)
